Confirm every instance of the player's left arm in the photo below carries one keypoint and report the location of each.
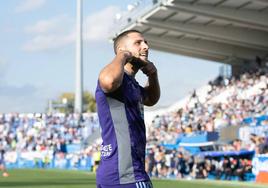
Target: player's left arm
(152, 87)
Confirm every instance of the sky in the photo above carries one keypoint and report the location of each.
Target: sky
(37, 54)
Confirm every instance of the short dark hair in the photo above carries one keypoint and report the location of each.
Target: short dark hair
(122, 35)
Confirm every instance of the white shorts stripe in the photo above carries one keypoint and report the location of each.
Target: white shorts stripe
(143, 184)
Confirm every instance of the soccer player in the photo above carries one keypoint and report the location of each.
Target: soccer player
(2, 162)
(120, 101)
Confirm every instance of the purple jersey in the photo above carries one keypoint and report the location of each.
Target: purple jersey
(123, 134)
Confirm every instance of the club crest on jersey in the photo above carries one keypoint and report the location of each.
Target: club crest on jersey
(106, 150)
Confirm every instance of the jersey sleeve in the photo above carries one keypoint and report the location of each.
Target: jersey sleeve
(117, 94)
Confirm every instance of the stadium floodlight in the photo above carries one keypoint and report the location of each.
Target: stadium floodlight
(130, 7)
(118, 16)
(133, 6)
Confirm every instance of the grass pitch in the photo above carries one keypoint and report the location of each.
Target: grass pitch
(37, 178)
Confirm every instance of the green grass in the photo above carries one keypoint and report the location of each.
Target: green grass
(36, 178)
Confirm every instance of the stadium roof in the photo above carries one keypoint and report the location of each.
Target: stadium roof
(226, 31)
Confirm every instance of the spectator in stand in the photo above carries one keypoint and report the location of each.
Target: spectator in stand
(173, 160)
(159, 161)
(262, 144)
(218, 163)
(237, 144)
(233, 166)
(240, 170)
(227, 168)
(151, 162)
(199, 169)
(181, 165)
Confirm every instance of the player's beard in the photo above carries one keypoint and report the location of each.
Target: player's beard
(139, 59)
(138, 63)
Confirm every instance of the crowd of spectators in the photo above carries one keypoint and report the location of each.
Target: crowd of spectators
(227, 102)
(163, 163)
(47, 135)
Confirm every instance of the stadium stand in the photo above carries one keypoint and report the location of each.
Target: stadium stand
(237, 102)
(48, 140)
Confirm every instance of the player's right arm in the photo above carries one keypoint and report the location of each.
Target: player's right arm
(111, 76)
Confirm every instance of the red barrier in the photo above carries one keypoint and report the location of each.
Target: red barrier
(262, 177)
